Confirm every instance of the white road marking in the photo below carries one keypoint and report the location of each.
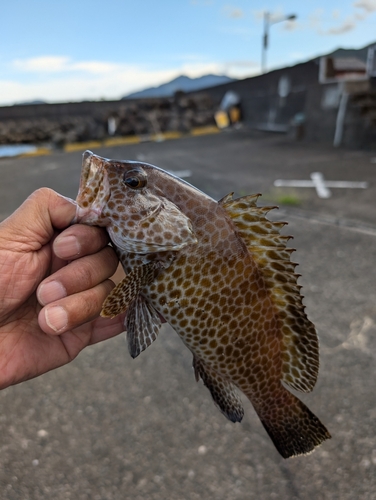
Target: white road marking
(320, 184)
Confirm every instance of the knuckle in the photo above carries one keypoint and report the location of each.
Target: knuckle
(87, 273)
(41, 194)
(91, 237)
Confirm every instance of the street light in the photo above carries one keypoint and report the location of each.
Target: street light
(265, 41)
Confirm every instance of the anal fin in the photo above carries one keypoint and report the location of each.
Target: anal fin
(223, 392)
(142, 324)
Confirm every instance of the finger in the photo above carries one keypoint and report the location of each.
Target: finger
(91, 333)
(78, 276)
(79, 240)
(106, 328)
(74, 310)
(32, 225)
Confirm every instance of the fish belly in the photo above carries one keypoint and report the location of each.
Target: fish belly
(224, 314)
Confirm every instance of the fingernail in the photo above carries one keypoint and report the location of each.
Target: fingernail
(49, 292)
(66, 247)
(56, 318)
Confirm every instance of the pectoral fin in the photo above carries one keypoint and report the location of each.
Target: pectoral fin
(223, 392)
(142, 324)
(127, 290)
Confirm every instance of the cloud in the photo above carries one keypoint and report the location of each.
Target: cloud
(233, 12)
(49, 64)
(362, 9)
(322, 22)
(368, 5)
(258, 14)
(60, 64)
(291, 25)
(55, 78)
(241, 69)
(76, 87)
(348, 25)
(315, 19)
(60, 79)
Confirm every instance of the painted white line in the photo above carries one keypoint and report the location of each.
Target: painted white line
(317, 218)
(180, 173)
(320, 184)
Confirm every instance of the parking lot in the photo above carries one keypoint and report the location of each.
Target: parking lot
(107, 427)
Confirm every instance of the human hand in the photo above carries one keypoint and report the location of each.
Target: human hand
(54, 279)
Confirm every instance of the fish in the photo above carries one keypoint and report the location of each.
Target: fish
(220, 273)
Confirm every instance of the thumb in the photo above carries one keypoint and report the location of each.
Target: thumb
(33, 224)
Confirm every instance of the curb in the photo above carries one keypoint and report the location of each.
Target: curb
(124, 141)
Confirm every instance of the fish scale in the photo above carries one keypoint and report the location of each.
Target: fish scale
(220, 274)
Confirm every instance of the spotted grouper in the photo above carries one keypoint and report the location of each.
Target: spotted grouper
(220, 274)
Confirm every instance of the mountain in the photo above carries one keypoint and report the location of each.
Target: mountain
(184, 83)
(36, 101)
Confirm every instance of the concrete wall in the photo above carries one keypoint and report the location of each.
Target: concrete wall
(324, 123)
(270, 101)
(321, 110)
(264, 107)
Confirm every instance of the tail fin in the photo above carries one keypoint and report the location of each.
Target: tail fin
(293, 428)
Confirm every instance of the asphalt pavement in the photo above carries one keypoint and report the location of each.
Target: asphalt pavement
(107, 427)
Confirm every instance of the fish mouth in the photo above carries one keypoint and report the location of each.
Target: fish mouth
(92, 169)
(93, 192)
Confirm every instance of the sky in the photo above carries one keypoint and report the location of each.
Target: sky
(72, 50)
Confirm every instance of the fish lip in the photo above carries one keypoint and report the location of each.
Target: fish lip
(92, 170)
(86, 215)
(85, 171)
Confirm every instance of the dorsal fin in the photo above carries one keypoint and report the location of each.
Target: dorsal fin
(300, 357)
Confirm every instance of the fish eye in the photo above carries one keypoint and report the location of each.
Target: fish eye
(135, 179)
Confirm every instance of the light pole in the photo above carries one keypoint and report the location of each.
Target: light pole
(265, 38)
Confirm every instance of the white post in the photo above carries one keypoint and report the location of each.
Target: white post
(341, 115)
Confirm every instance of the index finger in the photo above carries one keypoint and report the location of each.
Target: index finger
(79, 240)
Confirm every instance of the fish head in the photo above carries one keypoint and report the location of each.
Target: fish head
(121, 196)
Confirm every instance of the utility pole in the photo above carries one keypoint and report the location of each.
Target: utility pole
(265, 38)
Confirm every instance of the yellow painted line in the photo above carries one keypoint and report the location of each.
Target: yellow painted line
(37, 152)
(80, 146)
(171, 135)
(121, 141)
(163, 136)
(205, 130)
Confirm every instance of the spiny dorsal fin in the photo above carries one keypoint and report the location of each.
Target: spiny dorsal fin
(300, 358)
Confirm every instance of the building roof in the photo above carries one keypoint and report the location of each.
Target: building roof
(348, 64)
